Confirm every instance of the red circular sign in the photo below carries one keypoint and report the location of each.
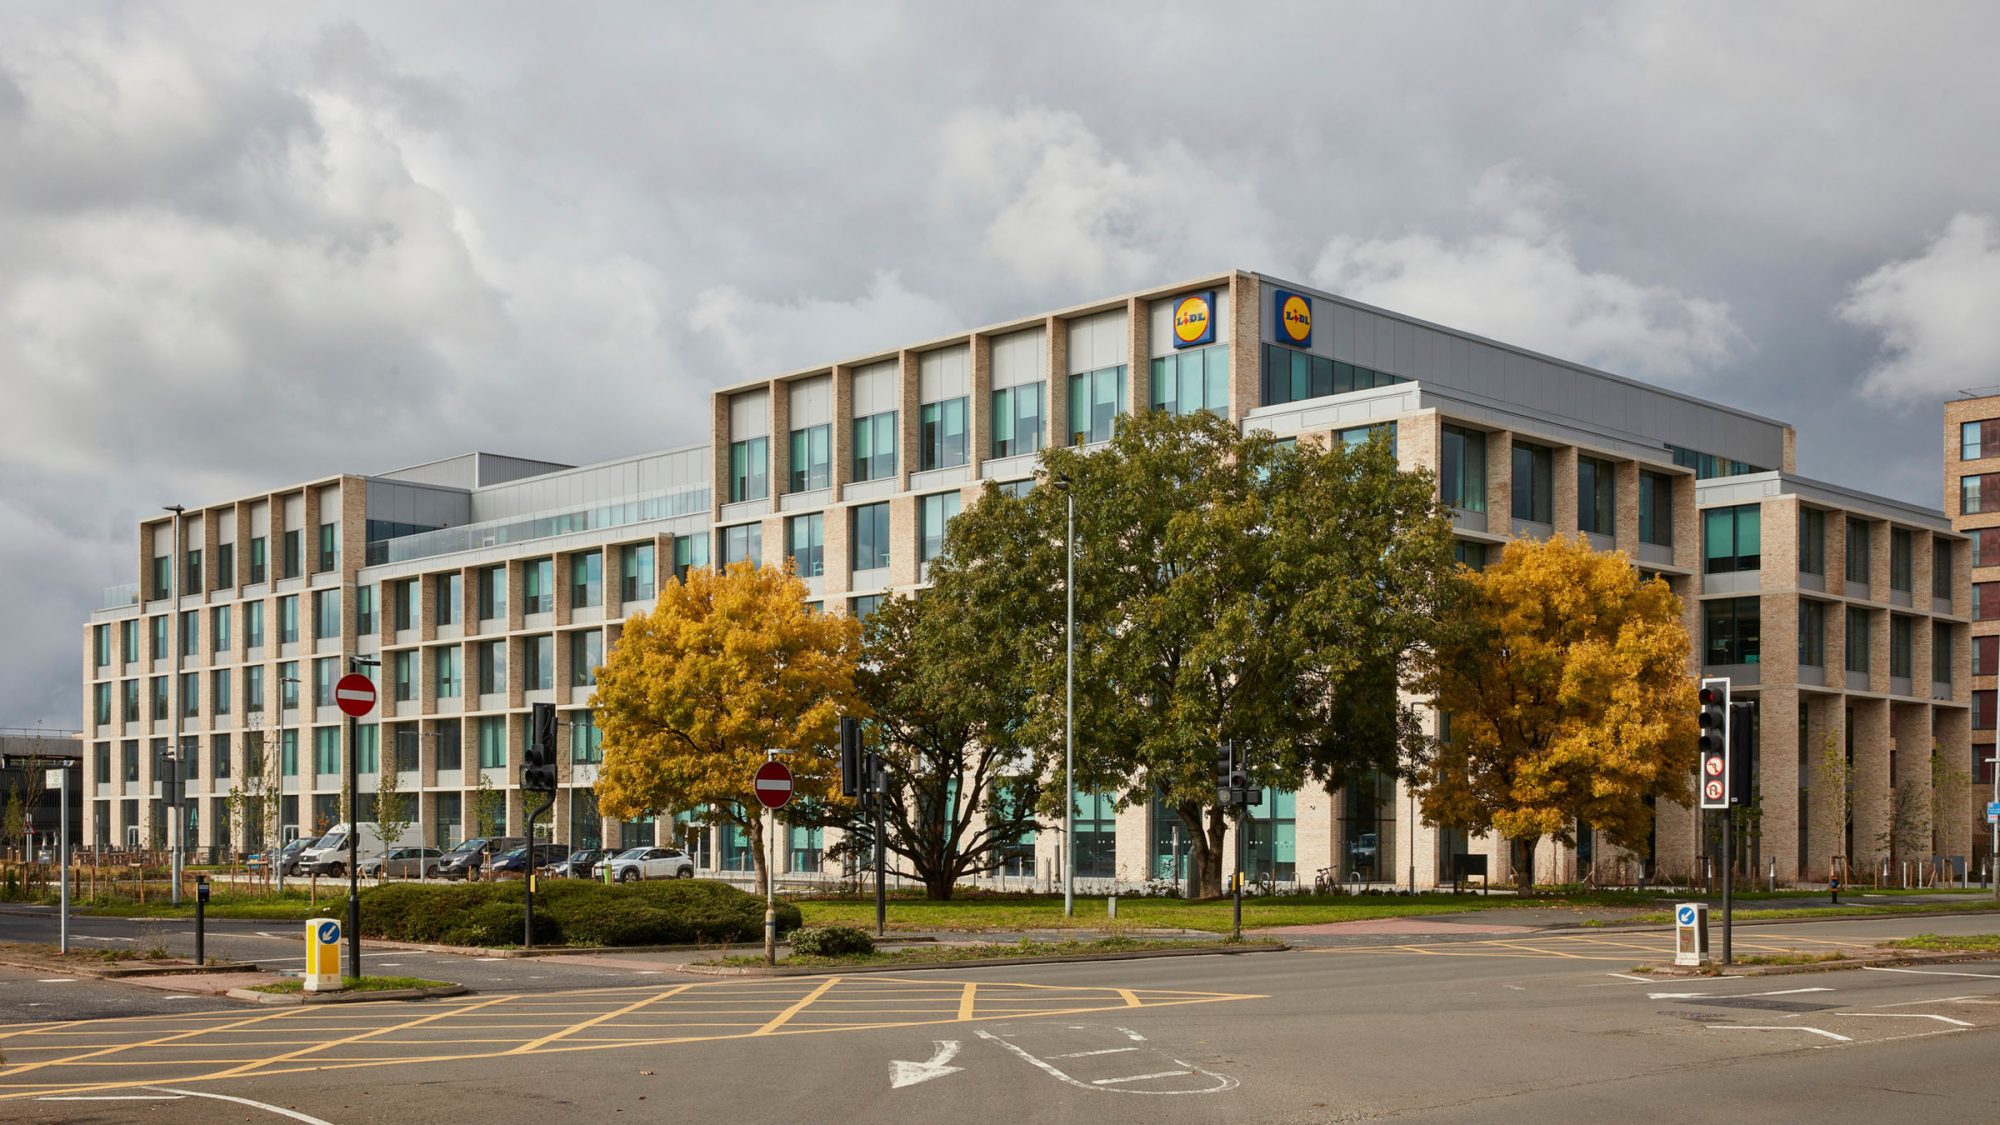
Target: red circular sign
(1713, 790)
(774, 785)
(1713, 765)
(354, 694)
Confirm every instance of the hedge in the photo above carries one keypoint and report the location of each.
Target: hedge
(569, 912)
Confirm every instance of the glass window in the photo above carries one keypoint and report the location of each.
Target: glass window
(158, 648)
(1901, 643)
(1902, 545)
(1857, 550)
(1094, 401)
(749, 469)
(1730, 539)
(1812, 633)
(1812, 541)
(1656, 509)
(743, 543)
(253, 688)
(158, 687)
(449, 668)
(329, 545)
(253, 624)
(1983, 707)
(1195, 379)
(162, 577)
(219, 691)
(934, 515)
(191, 572)
(875, 446)
(218, 629)
(1941, 568)
(493, 667)
(492, 593)
(689, 551)
(1534, 483)
(586, 741)
(364, 610)
(1969, 444)
(402, 672)
(448, 591)
(586, 653)
(941, 440)
(448, 740)
(586, 580)
(871, 536)
(538, 593)
(1857, 640)
(1940, 652)
(288, 752)
(1359, 435)
(1596, 496)
(288, 619)
(325, 671)
(326, 614)
(812, 459)
(540, 666)
(259, 561)
(1731, 626)
(1471, 554)
(492, 742)
(218, 758)
(1986, 655)
(635, 572)
(406, 595)
(1462, 469)
(294, 562)
(806, 845)
(1272, 844)
(128, 638)
(100, 703)
(326, 750)
(129, 691)
(1096, 825)
(1368, 827)
(806, 544)
(190, 694)
(1017, 420)
(368, 749)
(865, 605)
(190, 632)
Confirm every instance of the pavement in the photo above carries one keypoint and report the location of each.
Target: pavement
(1433, 1025)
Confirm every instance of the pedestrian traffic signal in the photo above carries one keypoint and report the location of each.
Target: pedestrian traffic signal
(851, 764)
(1712, 744)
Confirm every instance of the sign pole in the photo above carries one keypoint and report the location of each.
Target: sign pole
(355, 695)
(878, 783)
(63, 926)
(1993, 855)
(773, 789)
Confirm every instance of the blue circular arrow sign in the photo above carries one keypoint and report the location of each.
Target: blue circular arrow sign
(1685, 915)
(329, 932)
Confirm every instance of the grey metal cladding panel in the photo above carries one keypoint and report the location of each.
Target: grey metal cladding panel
(1405, 358)
(1343, 333)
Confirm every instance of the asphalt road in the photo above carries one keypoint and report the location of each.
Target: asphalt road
(1535, 1028)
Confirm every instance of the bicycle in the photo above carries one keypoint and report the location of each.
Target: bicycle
(1325, 881)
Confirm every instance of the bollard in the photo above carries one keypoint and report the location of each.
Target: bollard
(1833, 884)
(200, 920)
(1111, 905)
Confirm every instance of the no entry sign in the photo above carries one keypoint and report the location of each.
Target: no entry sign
(774, 785)
(354, 694)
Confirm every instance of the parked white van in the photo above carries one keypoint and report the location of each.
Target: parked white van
(328, 855)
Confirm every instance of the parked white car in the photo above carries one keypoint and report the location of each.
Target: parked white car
(633, 864)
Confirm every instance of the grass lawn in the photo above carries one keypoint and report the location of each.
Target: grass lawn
(946, 954)
(1956, 943)
(356, 984)
(292, 906)
(90, 956)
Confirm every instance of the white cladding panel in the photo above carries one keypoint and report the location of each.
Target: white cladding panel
(295, 512)
(1020, 358)
(1160, 322)
(260, 518)
(750, 415)
(943, 374)
(875, 388)
(225, 526)
(329, 504)
(1098, 341)
(811, 402)
(163, 539)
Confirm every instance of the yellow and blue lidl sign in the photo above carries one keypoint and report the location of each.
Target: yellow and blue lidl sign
(1295, 319)
(1194, 319)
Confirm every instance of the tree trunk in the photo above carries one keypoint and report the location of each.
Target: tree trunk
(1205, 848)
(753, 832)
(1521, 853)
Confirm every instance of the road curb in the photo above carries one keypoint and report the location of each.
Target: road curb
(978, 963)
(112, 970)
(1831, 915)
(1902, 960)
(300, 998)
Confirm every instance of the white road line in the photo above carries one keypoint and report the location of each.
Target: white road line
(1759, 1027)
(110, 1098)
(57, 980)
(1139, 1077)
(267, 1107)
(1930, 972)
(1729, 995)
(1087, 1054)
(1223, 1081)
(1907, 1016)
(1629, 976)
(1129, 1034)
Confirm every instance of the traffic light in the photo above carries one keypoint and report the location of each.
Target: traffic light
(171, 790)
(851, 764)
(1742, 739)
(538, 766)
(1713, 743)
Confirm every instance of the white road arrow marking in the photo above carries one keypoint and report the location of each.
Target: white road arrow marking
(1756, 1027)
(903, 1074)
(1729, 995)
(1907, 1016)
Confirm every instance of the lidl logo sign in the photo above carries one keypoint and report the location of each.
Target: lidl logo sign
(1194, 319)
(1295, 319)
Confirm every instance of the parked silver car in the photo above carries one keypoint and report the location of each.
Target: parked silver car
(634, 864)
(407, 863)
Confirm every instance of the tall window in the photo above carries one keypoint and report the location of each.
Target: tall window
(1941, 568)
(1986, 655)
(1656, 509)
(875, 446)
(1731, 628)
(743, 543)
(812, 459)
(259, 557)
(162, 585)
(1812, 633)
(864, 606)
(157, 649)
(540, 663)
(493, 667)
(1902, 642)
(1017, 420)
(368, 749)
(450, 672)
(1272, 845)
(806, 544)
(129, 696)
(586, 742)
(218, 629)
(1857, 640)
(690, 551)
(329, 545)
(1596, 496)
(449, 746)
(288, 684)
(253, 624)
(100, 703)
(934, 514)
(749, 469)
(941, 442)
(1902, 545)
(408, 595)
(326, 750)
(225, 565)
(1857, 550)
(492, 593)
(1094, 398)
(1534, 483)
(635, 572)
(586, 580)
(586, 652)
(1730, 539)
(492, 742)
(871, 536)
(538, 592)
(128, 640)
(1812, 541)
(324, 672)
(402, 673)
(190, 632)
(100, 646)
(326, 614)
(190, 694)
(294, 562)
(288, 619)
(1191, 380)
(449, 593)
(1462, 469)
(253, 688)
(1096, 824)
(219, 763)
(1976, 438)
(1940, 652)
(219, 691)
(191, 572)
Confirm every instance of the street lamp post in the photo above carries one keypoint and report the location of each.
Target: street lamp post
(1993, 853)
(1069, 702)
(176, 827)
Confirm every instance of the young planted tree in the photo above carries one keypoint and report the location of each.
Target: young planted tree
(395, 810)
(726, 667)
(1570, 700)
(489, 807)
(1833, 793)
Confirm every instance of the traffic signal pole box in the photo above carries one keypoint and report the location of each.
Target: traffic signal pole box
(1724, 754)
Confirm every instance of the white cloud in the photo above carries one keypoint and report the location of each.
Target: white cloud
(1523, 283)
(760, 337)
(1935, 314)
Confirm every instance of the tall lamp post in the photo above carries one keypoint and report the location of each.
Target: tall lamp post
(176, 826)
(1069, 701)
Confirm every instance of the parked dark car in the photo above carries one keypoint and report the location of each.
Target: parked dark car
(514, 864)
(575, 865)
(288, 857)
(467, 860)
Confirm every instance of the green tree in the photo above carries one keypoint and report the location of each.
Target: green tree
(1565, 678)
(395, 810)
(1833, 791)
(725, 668)
(489, 807)
(1227, 587)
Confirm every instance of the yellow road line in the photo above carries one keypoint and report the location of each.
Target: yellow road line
(607, 1016)
(26, 1067)
(803, 1003)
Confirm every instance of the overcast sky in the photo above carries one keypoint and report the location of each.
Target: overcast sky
(246, 244)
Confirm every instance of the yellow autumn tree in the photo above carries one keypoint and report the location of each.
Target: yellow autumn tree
(1564, 678)
(727, 666)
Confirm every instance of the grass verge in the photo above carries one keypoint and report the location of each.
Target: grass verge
(1953, 943)
(1842, 911)
(356, 984)
(288, 907)
(89, 956)
(1790, 958)
(946, 954)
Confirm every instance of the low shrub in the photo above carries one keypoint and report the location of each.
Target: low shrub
(832, 941)
(501, 923)
(569, 911)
